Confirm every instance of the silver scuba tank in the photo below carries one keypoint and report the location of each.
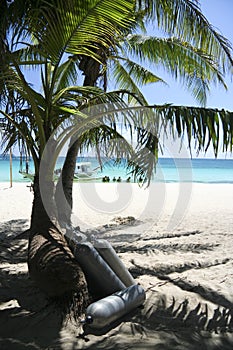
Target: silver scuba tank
(108, 253)
(101, 279)
(105, 311)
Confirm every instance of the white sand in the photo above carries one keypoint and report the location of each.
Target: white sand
(168, 206)
(180, 250)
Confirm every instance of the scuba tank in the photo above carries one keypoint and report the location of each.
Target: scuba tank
(101, 279)
(107, 310)
(108, 253)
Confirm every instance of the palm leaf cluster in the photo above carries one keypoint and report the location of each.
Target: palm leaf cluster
(107, 42)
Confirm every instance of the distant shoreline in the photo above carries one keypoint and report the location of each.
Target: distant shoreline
(168, 170)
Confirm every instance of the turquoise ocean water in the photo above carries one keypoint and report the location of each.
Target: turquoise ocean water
(168, 170)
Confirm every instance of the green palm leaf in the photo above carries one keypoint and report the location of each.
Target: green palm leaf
(65, 26)
(184, 19)
(205, 125)
(192, 66)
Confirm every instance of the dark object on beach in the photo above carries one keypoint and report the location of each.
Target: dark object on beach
(27, 167)
(128, 179)
(114, 179)
(101, 279)
(106, 179)
(119, 179)
(109, 255)
(107, 310)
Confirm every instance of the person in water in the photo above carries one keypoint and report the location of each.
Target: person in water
(106, 179)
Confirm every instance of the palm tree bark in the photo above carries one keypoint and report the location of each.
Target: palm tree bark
(64, 188)
(51, 264)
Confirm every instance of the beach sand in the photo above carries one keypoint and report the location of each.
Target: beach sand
(176, 240)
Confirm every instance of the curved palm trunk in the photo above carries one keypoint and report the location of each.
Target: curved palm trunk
(64, 188)
(91, 71)
(51, 264)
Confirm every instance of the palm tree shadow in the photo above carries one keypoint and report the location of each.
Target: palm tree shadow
(164, 325)
(187, 328)
(126, 224)
(180, 314)
(162, 273)
(28, 319)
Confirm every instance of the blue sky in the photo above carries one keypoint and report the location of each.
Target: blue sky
(219, 14)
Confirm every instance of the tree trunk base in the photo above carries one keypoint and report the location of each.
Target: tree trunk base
(54, 269)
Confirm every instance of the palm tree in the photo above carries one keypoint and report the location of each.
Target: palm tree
(51, 263)
(192, 51)
(95, 37)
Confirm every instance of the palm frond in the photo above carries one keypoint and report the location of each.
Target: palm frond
(65, 26)
(29, 55)
(66, 74)
(184, 19)
(124, 80)
(141, 75)
(207, 126)
(192, 66)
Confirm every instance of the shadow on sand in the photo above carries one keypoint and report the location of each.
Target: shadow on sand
(162, 326)
(27, 319)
